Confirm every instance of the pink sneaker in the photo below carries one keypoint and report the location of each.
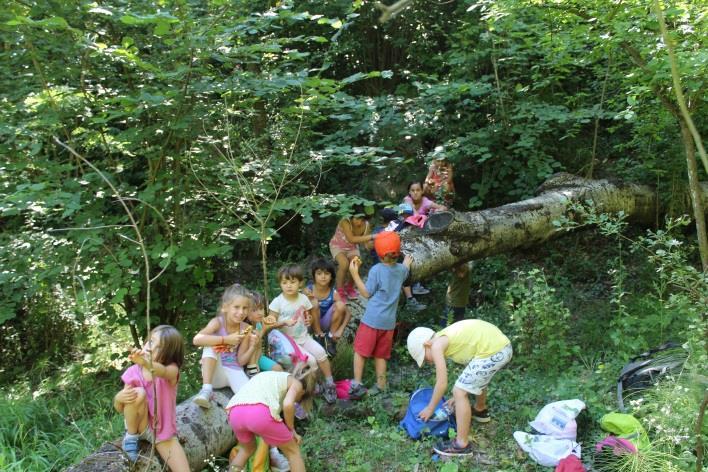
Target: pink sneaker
(351, 291)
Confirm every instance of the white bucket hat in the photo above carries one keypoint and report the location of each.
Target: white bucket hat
(415, 341)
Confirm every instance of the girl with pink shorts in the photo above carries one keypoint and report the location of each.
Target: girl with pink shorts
(265, 407)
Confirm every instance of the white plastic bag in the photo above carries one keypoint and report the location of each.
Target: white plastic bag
(546, 450)
(557, 419)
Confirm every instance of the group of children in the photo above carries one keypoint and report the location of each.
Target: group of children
(265, 396)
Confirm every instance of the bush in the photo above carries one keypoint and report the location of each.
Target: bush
(538, 320)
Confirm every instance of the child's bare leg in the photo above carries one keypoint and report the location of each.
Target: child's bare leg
(245, 451)
(380, 367)
(315, 314)
(342, 270)
(172, 453)
(408, 292)
(136, 413)
(325, 367)
(340, 319)
(480, 402)
(359, 362)
(463, 415)
(292, 451)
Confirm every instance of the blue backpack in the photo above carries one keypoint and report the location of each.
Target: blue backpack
(415, 427)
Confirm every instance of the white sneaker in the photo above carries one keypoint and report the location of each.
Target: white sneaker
(203, 398)
(414, 305)
(418, 289)
(278, 462)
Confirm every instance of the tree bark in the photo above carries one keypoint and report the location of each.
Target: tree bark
(203, 434)
(523, 224)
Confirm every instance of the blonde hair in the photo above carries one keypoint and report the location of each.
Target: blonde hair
(234, 291)
(308, 381)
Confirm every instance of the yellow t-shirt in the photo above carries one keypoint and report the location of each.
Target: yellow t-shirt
(472, 339)
(268, 388)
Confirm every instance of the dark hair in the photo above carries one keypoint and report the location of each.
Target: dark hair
(171, 345)
(360, 212)
(388, 215)
(323, 264)
(258, 299)
(412, 183)
(290, 271)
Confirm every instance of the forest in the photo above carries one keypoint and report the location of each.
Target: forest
(156, 152)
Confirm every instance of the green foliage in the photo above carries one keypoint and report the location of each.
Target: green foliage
(538, 320)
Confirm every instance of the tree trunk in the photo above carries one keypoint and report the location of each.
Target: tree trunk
(203, 434)
(523, 224)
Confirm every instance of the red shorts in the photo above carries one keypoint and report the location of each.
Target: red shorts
(248, 421)
(372, 342)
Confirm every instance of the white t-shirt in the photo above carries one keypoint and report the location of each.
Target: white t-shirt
(288, 310)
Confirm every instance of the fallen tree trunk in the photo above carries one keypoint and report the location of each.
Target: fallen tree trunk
(472, 235)
(524, 224)
(203, 434)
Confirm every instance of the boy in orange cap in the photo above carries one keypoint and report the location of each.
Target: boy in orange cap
(374, 337)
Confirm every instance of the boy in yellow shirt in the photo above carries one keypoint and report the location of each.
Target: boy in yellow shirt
(479, 345)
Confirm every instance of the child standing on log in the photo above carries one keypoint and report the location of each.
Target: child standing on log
(256, 411)
(438, 183)
(479, 345)
(148, 400)
(374, 338)
(222, 356)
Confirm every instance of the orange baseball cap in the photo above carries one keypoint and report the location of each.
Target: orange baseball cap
(387, 242)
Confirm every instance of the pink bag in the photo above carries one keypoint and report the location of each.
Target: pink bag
(619, 445)
(343, 388)
(416, 220)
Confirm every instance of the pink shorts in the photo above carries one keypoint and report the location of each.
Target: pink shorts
(248, 421)
(372, 342)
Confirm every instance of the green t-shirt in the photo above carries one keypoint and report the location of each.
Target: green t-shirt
(458, 290)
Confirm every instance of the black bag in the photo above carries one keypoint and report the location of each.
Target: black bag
(647, 368)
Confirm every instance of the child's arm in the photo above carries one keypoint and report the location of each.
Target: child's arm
(437, 349)
(354, 270)
(207, 337)
(248, 347)
(437, 207)
(278, 323)
(167, 372)
(294, 390)
(349, 234)
(408, 261)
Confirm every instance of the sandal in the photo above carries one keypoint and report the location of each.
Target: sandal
(251, 370)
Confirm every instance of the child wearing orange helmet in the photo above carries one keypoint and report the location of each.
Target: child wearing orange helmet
(374, 338)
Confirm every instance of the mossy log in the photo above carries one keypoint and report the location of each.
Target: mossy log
(202, 433)
(524, 224)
